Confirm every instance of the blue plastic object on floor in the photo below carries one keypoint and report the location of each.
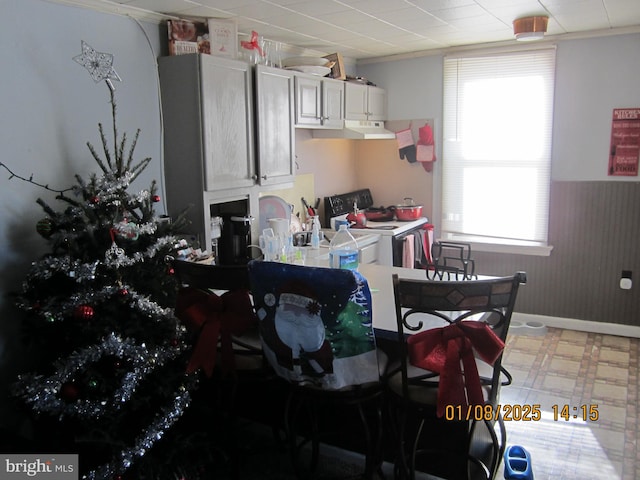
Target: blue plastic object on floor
(517, 464)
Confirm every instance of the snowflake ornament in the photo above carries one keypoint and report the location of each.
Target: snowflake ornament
(98, 64)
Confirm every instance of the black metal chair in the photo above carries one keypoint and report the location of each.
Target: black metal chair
(451, 261)
(317, 333)
(231, 279)
(444, 391)
(215, 304)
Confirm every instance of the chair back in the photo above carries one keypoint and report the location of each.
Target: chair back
(469, 308)
(213, 302)
(451, 261)
(315, 324)
(211, 277)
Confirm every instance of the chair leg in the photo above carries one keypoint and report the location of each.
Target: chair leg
(292, 413)
(373, 441)
(397, 426)
(414, 450)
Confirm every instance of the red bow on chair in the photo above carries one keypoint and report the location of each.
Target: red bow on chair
(253, 43)
(216, 317)
(442, 350)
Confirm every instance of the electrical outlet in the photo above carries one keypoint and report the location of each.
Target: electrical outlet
(625, 280)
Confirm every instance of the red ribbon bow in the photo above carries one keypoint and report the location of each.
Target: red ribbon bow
(253, 43)
(216, 317)
(442, 350)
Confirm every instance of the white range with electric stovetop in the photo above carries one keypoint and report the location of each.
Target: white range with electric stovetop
(393, 234)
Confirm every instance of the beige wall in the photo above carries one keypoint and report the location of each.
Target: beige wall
(340, 166)
(390, 178)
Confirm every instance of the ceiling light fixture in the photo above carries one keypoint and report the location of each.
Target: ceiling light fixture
(530, 28)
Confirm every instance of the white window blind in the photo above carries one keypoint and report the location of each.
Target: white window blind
(498, 113)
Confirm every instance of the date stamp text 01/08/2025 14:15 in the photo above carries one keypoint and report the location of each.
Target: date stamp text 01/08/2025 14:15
(521, 412)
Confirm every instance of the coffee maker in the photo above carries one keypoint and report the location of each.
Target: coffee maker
(236, 238)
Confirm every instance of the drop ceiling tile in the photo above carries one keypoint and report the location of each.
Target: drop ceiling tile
(345, 18)
(466, 11)
(314, 8)
(622, 14)
(207, 12)
(290, 20)
(226, 4)
(412, 16)
(162, 5)
(518, 4)
(377, 7)
(441, 4)
(261, 10)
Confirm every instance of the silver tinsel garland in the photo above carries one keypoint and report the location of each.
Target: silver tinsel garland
(43, 393)
(116, 257)
(146, 440)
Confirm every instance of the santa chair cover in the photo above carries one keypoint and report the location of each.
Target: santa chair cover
(315, 324)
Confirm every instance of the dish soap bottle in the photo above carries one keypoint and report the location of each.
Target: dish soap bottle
(343, 250)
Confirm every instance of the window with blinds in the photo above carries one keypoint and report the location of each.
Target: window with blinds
(498, 113)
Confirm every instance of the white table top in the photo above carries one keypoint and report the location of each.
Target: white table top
(381, 285)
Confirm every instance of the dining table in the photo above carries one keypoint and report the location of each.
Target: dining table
(383, 308)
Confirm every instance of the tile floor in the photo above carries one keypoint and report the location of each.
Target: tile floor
(566, 367)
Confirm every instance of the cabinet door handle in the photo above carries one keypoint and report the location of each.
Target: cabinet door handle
(264, 177)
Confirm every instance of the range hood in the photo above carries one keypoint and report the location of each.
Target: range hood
(358, 129)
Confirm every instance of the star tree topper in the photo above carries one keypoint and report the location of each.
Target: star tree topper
(98, 64)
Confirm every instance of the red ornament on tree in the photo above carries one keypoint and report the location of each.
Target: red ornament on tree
(171, 271)
(95, 199)
(69, 392)
(155, 198)
(83, 312)
(123, 292)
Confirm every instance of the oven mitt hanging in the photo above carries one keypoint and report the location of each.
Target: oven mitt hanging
(406, 146)
(425, 148)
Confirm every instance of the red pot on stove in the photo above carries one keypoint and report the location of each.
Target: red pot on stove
(409, 211)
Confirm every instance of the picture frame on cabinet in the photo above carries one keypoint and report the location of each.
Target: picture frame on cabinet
(223, 36)
(337, 70)
(187, 36)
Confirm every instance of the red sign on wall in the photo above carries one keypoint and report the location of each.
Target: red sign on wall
(625, 142)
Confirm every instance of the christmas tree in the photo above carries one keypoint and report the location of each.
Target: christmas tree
(99, 313)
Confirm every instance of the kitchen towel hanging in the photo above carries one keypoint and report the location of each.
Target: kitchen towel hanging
(406, 145)
(425, 148)
(408, 252)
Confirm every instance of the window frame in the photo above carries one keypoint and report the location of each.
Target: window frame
(481, 242)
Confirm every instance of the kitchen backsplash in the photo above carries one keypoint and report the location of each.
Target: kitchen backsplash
(303, 186)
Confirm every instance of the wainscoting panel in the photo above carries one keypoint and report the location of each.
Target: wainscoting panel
(594, 228)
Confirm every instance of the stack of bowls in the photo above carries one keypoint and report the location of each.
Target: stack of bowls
(311, 65)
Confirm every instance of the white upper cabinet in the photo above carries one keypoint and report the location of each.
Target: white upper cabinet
(319, 102)
(333, 103)
(207, 106)
(365, 102)
(275, 135)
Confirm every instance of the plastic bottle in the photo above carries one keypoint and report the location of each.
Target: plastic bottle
(315, 235)
(343, 250)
